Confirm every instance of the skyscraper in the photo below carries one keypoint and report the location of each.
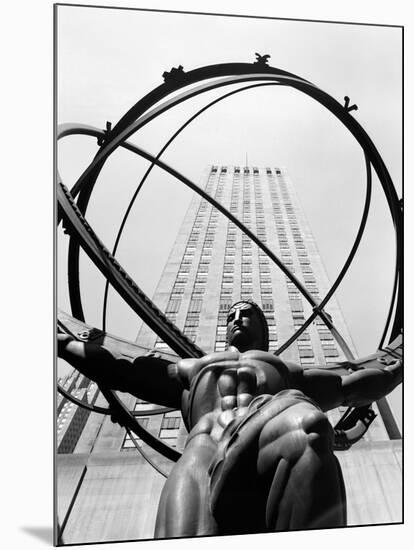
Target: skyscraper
(212, 265)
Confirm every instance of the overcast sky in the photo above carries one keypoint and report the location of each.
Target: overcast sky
(108, 59)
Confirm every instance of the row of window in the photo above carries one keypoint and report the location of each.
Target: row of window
(170, 427)
(246, 170)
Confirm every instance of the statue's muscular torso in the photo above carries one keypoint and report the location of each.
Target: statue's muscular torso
(220, 386)
(234, 473)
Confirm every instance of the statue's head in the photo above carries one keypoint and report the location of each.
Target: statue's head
(247, 327)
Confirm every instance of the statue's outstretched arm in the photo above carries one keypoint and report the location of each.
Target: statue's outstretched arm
(150, 378)
(371, 383)
(332, 389)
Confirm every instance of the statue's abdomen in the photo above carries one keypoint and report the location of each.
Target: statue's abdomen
(225, 389)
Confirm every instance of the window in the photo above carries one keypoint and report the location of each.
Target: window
(170, 436)
(305, 352)
(307, 361)
(330, 352)
(178, 289)
(328, 345)
(190, 332)
(297, 317)
(246, 289)
(225, 305)
(128, 443)
(199, 290)
(173, 306)
(325, 335)
(171, 316)
(227, 290)
(195, 306)
(192, 322)
(267, 304)
(161, 346)
(296, 305)
(170, 423)
(266, 290)
(304, 345)
(272, 332)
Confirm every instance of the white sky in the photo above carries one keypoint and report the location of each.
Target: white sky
(108, 59)
(27, 281)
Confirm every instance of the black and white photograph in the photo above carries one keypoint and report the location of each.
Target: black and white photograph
(203, 264)
(229, 265)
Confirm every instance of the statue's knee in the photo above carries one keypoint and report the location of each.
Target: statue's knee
(318, 429)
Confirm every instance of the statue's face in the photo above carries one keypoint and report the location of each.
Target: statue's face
(245, 328)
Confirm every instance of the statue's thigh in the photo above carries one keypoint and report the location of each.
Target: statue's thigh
(258, 467)
(302, 478)
(184, 509)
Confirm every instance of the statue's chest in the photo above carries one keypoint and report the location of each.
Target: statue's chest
(229, 390)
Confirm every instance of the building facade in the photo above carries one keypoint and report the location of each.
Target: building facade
(212, 265)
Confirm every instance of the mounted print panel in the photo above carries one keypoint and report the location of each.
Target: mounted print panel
(229, 275)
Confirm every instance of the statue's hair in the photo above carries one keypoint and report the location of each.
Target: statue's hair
(261, 315)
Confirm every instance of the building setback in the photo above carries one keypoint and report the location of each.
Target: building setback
(212, 265)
